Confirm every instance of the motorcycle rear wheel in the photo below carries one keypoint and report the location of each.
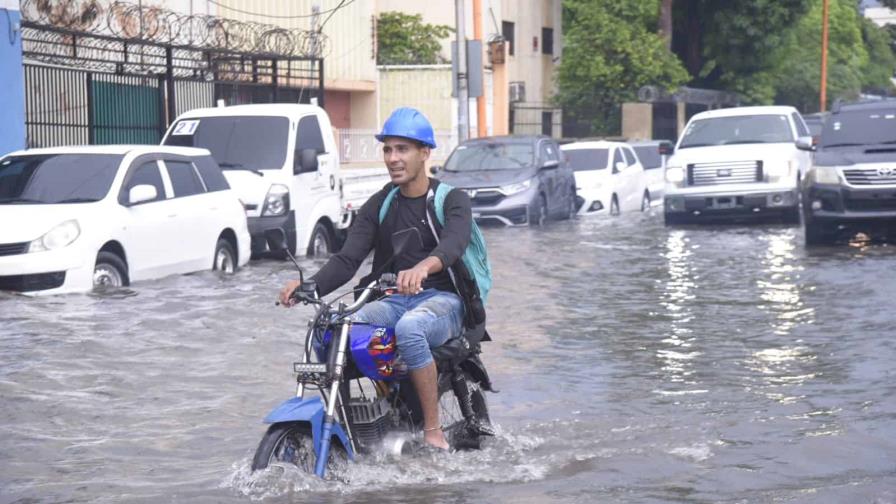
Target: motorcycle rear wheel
(456, 428)
(291, 443)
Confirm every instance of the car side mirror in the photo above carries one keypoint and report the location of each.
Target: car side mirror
(306, 161)
(666, 149)
(142, 193)
(619, 166)
(435, 169)
(805, 143)
(550, 164)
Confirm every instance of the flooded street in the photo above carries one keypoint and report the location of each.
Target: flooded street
(635, 363)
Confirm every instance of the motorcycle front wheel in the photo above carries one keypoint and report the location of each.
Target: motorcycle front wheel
(291, 443)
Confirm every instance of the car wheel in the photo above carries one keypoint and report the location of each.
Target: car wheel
(614, 206)
(539, 215)
(571, 210)
(645, 202)
(225, 257)
(110, 271)
(321, 243)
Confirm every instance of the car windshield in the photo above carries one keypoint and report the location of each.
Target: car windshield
(587, 159)
(745, 129)
(865, 127)
(649, 156)
(57, 178)
(238, 142)
(491, 156)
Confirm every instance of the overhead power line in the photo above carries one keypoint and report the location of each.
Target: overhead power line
(274, 16)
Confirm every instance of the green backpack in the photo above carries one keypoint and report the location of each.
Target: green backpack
(475, 257)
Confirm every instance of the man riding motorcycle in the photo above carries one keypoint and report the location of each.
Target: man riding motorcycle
(427, 311)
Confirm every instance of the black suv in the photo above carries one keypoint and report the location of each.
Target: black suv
(852, 186)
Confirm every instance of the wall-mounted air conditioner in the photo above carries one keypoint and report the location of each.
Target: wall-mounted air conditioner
(517, 92)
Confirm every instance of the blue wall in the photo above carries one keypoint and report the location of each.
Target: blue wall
(12, 92)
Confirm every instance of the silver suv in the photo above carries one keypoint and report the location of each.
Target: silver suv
(852, 187)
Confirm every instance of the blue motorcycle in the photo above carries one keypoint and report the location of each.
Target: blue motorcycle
(366, 402)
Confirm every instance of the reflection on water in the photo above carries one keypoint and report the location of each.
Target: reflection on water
(636, 364)
(678, 295)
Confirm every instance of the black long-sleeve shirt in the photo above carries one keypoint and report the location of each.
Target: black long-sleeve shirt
(367, 233)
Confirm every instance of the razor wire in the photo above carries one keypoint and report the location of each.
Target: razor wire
(155, 25)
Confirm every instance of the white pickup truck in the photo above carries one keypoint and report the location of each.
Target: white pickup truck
(283, 161)
(737, 163)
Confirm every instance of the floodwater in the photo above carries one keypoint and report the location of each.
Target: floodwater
(635, 364)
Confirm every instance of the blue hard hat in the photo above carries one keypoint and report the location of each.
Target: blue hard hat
(407, 122)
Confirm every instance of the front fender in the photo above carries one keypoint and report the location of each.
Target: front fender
(311, 411)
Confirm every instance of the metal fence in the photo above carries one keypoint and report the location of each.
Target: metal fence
(360, 145)
(88, 88)
(532, 118)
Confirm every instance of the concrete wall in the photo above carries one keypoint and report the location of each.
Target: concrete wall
(12, 98)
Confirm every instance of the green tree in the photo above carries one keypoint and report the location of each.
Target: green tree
(404, 39)
(881, 64)
(732, 45)
(610, 50)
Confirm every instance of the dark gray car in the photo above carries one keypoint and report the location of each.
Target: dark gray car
(515, 180)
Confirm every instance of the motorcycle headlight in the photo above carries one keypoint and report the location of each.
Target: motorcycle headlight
(516, 188)
(60, 236)
(675, 174)
(825, 175)
(277, 201)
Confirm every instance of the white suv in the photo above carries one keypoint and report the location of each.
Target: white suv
(78, 217)
(739, 162)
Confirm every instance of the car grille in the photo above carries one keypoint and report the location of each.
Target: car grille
(729, 172)
(484, 197)
(35, 282)
(870, 176)
(7, 249)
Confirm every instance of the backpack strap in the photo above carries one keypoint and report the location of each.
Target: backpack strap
(387, 202)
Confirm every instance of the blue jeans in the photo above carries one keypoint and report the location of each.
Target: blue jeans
(422, 321)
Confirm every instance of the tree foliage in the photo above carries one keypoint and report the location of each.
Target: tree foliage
(404, 39)
(610, 50)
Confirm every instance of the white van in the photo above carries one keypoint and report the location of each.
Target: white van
(282, 160)
(738, 162)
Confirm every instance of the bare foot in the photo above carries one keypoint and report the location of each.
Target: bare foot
(436, 438)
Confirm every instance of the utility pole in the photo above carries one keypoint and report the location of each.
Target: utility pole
(823, 96)
(481, 118)
(463, 105)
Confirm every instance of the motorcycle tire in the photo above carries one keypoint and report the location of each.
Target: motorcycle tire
(291, 443)
(460, 433)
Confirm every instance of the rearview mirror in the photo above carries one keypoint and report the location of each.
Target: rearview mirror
(142, 193)
(550, 164)
(305, 162)
(619, 166)
(435, 169)
(805, 143)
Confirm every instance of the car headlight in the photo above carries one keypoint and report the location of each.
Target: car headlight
(675, 174)
(516, 188)
(60, 236)
(277, 201)
(825, 175)
(779, 169)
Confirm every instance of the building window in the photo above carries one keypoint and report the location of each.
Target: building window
(507, 32)
(547, 41)
(547, 127)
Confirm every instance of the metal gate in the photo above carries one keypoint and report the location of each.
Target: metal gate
(95, 76)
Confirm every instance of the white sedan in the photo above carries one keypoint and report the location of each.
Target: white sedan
(609, 178)
(79, 217)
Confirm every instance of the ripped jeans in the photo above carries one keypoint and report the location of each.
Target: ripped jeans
(422, 321)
